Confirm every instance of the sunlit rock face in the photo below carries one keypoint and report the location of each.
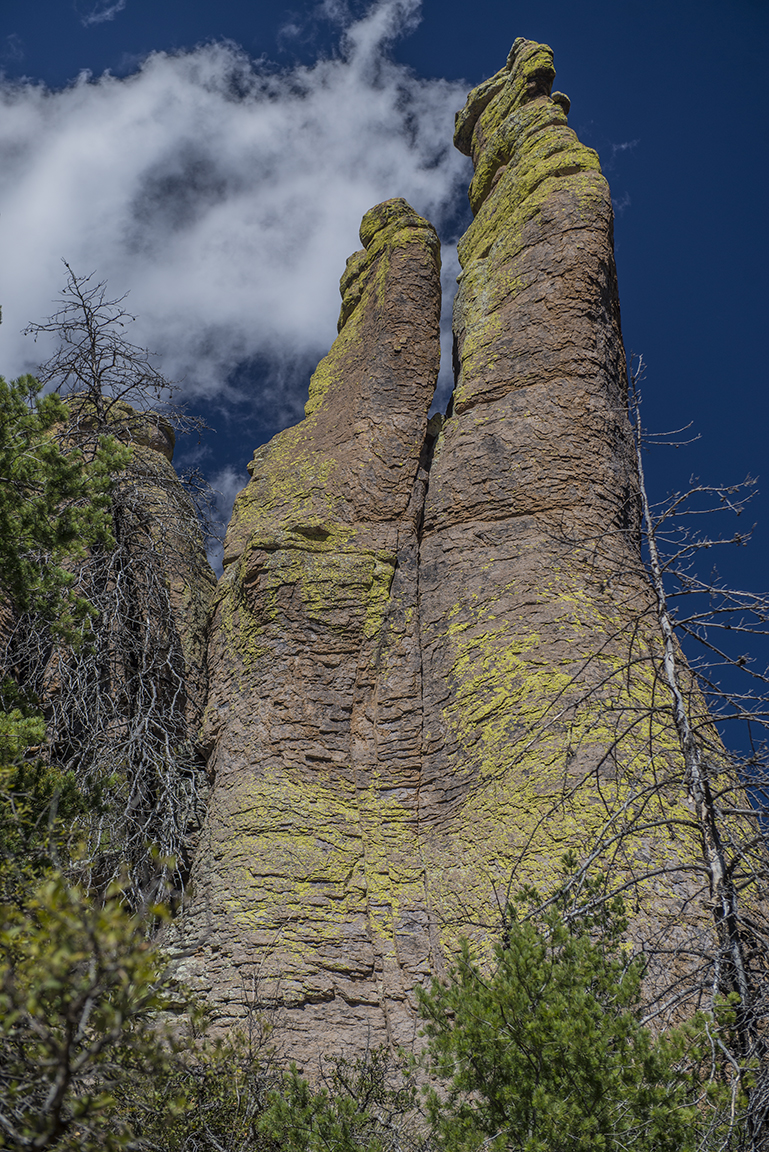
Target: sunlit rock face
(434, 662)
(529, 556)
(310, 877)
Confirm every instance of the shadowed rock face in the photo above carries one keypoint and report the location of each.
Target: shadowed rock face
(421, 694)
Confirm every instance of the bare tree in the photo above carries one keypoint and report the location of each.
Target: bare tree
(97, 367)
(663, 735)
(122, 709)
(720, 785)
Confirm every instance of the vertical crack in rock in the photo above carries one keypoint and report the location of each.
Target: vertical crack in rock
(422, 488)
(422, 697)
(312, 873)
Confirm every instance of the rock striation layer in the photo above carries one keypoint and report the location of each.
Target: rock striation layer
(313, 715)
(530, 567)
(433, 661)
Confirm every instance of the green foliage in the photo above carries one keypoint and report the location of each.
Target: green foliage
(545, 1052)
(80, 995)
(38, 804)
(231, 1096)
(82, 991)
(84, 1062)
(53, 505)
(207, 1097)
(80, 987)
(364, 1104)
(18, 732)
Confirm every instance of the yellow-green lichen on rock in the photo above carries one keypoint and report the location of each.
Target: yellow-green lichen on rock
(435, 661)
(313, 870)
(545, 719)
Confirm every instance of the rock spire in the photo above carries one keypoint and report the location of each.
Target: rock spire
(432, 660)
(309, 878)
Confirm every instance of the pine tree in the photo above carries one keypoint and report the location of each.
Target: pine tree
(543, 1050)
(53, 505)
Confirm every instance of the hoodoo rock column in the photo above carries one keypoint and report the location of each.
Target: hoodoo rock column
(310, 877)
(434, 666)
(539, 639)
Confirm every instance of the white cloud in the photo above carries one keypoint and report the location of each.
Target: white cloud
(12, 49)
(224, 194)
(102, 12)
(625, 146)
(225, 484)
(620, 203)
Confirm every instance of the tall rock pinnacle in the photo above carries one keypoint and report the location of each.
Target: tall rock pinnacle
(314, 713)
(529, 564)
(432, 663)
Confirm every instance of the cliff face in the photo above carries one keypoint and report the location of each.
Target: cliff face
(176, 539)
(530, 571)
(433, 662)
(314, 716)
(162, 527)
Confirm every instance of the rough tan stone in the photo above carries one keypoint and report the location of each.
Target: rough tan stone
(419, 704)
(314, 717)
(179, 545)
(539, 641)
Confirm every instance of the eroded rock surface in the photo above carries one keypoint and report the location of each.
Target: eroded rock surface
(433, 671)
(175, 538)
(539, 642)
(311, 880)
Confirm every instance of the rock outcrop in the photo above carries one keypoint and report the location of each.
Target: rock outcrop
(434, 661)
(314, 713)
(530, 567)
(174, 537)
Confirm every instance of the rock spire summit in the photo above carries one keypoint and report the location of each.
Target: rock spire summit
(431, 660)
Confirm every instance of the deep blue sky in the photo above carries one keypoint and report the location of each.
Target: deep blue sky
(673, 96)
